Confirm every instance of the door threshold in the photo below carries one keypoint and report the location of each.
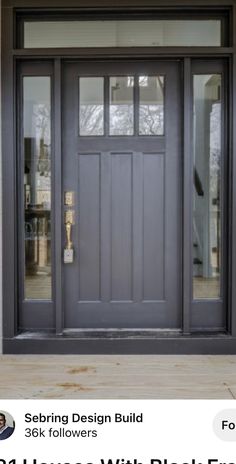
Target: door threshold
(119, 342)
(121, 333)
(129, 334)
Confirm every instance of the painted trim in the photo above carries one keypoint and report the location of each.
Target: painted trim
(222, 344)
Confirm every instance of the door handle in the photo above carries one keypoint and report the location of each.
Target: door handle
(68, 251)
(69, 221)
(69, 243)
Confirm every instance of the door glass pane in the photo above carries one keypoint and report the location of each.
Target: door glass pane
(91, 110)
(148, 33)
(121, 105)
(37, 186)
(207, 204)
(151, 105)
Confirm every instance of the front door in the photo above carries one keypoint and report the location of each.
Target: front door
(122, 195)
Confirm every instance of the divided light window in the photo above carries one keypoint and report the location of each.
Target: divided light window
(122, 33)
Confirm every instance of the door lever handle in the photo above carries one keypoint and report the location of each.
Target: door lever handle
(68, 236)
(69, 221)
(68, 251)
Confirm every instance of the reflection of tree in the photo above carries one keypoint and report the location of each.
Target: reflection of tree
(121, 119)
(151, 120)
(42, 122)
(91, 120)
(215, 147)
(43, 134)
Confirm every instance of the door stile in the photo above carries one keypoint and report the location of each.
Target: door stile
(105, 227)
(233, 209)
(20, 200)
(187, 197)
(9, 276)
(225, 196)
(58, 202)
(232, 168)
(138, 238)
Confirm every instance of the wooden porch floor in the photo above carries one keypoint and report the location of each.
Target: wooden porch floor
(116, 377)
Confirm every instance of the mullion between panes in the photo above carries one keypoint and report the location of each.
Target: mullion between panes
(106, 105)
(136, 105)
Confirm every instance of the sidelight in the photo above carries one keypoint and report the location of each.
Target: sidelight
(207, 196)
(37, 186)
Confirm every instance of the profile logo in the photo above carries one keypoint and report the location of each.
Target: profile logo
(7, 425)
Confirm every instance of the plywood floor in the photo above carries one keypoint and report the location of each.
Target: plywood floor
(105, 377)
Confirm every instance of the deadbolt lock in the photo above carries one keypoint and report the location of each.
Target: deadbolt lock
(69, 217)
(69, 198)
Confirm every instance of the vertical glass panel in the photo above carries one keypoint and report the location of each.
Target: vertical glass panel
(121, 105)
(151, 105)
(37, 186)
(123, 33)
(207, 207)
(91, 110)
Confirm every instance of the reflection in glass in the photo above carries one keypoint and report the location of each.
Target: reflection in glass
(207, 206)
(151, 108)
(91, 112)
(123, 33)
(121, 106)
(37, 186)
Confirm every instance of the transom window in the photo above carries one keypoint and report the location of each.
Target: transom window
(123, 33)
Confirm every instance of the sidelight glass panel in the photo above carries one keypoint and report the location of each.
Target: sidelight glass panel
(207, 203)
(123, 33)
(91, 109)
(121, 105)
(151, 105)
(37, 186)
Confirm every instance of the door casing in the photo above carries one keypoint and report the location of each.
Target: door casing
(151, 343)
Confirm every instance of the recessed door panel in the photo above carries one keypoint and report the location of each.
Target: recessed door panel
(153, 227)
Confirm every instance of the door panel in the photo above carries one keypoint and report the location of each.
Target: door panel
(126, 271)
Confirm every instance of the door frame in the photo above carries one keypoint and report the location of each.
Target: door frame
(151, 343)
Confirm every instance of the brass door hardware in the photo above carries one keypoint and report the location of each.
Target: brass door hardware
(68, 251)
(69, 217)
(69, 243)
(69, 198)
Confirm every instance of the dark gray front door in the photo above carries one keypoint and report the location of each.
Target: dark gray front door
(122, 159)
